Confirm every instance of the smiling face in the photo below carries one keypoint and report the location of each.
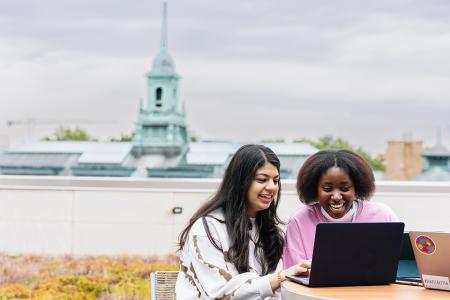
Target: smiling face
(336, 192)
(263, 189)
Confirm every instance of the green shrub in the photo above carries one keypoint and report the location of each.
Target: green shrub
(39, 278)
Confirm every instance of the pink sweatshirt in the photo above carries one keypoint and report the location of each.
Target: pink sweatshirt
(301, 230)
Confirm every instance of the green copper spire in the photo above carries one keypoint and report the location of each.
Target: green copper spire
(164, 29)
(163, 64)
(439, 137)
(438, 155)
(161, 127)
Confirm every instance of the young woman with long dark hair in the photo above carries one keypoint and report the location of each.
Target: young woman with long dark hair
(231, 247)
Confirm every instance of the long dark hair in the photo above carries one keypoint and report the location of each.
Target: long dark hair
(231, 198)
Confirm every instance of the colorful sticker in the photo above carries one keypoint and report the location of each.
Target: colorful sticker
(425, 244)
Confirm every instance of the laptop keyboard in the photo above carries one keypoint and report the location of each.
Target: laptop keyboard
(299, 279)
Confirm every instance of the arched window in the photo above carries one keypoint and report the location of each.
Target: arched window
(158, 97)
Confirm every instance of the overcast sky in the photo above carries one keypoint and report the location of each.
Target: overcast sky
(366, 71)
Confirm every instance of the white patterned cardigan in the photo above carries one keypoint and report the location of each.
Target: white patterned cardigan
(206, 273)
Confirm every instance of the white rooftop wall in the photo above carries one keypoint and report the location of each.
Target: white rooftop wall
(109, 216)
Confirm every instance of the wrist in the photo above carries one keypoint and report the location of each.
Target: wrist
(281, 276)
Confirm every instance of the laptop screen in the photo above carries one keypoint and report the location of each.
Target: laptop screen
(407, 267)
(356, 253)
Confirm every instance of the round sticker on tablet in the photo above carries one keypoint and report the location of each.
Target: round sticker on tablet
(425, 244)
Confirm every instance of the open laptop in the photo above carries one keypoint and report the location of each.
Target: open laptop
(354, 254)
(407, 272)
(432, 252)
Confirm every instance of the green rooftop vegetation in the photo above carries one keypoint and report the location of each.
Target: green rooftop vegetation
(68, 134)
(124, 277)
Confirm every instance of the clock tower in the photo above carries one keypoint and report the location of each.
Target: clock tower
(161, 126)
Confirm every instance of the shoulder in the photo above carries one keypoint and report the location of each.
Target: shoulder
(305, 215)
(215, 222)
(216, 216)
(305, 212)
(376, 211)
(375, 207)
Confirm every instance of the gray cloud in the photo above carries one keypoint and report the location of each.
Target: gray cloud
(308, 67)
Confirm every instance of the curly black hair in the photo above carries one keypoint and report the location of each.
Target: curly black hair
(316, 165)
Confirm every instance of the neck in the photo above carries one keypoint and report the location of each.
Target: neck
(348, 217)
(251, 214)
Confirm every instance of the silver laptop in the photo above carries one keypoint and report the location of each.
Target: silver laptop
(432, 252)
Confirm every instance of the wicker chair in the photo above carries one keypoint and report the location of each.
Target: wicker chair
(162, 285)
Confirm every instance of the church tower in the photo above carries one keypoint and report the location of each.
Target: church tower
(161, 126)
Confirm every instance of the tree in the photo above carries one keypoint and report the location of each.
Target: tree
(123, 138)
(67, 134)
(328, 142)
(276, 140)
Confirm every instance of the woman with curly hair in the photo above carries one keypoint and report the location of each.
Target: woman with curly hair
(336, 186)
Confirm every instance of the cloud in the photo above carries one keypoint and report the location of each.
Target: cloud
(306, 67)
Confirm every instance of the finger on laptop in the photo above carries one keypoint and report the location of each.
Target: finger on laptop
(304, 266)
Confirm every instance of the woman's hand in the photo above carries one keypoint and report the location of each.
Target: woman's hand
(302, 268)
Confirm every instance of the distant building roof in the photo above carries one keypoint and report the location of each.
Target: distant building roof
(90, 152)
(437, 150)
(210, 152)
(292, 148)
(36, 160)
(115, 159)
(217, 152)
(434, 174)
